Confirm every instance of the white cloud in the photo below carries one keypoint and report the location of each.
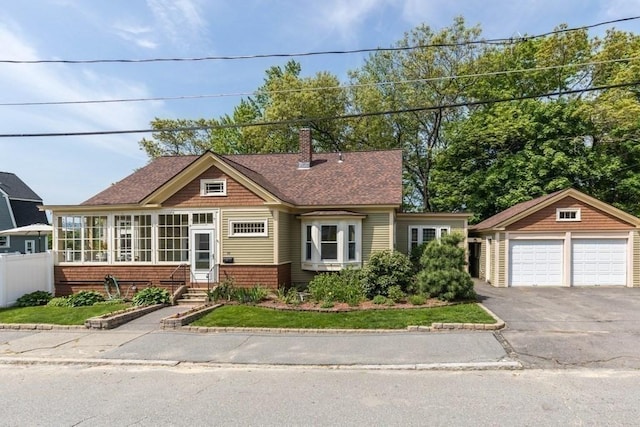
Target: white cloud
(181, 21)
(140, 35)
(345, 18)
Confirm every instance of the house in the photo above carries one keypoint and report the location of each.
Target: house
(269, 219)
(19, 208)
(566, 238)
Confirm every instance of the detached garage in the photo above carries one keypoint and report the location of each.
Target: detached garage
(565, 238)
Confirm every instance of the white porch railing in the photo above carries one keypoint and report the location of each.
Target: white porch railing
(21, 274)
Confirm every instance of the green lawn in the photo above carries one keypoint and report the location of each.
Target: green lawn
(259, 317)
(56, 315)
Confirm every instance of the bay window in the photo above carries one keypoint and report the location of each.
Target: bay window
(330, 245)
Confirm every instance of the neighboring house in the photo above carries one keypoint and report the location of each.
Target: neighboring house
(270, 219)
(18, 208)
(566, 238)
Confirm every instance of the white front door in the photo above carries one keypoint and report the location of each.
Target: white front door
(203, 255)
(535, 262)
(599, 262)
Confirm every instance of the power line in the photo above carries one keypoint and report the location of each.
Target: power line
(312, 119)
(314, 89)
(497, 41)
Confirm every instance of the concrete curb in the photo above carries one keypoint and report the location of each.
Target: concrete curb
(464, 366)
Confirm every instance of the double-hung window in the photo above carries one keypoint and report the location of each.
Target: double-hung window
(331, 244)
(424, 234)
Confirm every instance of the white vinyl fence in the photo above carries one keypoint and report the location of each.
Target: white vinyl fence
(24, 273)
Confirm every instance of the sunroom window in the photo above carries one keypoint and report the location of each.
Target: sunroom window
(132, 238)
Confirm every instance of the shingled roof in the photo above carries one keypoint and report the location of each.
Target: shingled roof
(15, 188)
(354, 178)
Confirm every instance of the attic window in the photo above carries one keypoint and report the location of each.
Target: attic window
(213, 187)
(571, 214)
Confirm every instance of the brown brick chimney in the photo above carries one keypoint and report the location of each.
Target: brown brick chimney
(306, 149)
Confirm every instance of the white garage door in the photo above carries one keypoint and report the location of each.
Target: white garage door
(535, 262)
(599, 262)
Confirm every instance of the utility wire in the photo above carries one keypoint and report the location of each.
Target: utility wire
(497, 41)
(315, 89)
(312, 119)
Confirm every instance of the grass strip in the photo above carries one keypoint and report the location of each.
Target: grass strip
(56, 315)
(260, 317)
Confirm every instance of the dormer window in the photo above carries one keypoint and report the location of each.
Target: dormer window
(213, 187)
(568, 214)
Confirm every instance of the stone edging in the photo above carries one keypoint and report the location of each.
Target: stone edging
(180, 319)
(114, 320)
(39, 327)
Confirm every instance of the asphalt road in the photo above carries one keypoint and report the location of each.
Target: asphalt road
(144, 396)
(595, 327)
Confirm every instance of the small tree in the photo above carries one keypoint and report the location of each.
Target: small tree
(443, 274)
(385, 269)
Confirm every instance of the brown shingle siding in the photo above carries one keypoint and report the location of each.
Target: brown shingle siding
(591, 219)
(189, 196)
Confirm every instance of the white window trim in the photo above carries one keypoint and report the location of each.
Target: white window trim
(239, 221)
(576, 219)
(203, 187)
(438, 228)
(7, 242)
(342, 261)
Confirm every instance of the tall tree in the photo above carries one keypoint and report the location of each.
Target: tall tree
(410, 78)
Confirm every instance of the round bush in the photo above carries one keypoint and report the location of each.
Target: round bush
(447, 285)
(33, 299)
(84, 298)
(385, 269)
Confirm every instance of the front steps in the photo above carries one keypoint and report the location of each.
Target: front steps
(193, 296)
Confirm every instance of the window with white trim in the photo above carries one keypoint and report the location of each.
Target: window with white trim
(132, 238)
(4, 242)
(568, 214)
(213, 187)
(173, 237)
(424, 234)
(330, 245)
(248, 228)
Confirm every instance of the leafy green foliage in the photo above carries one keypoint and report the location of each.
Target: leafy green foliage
(379, 299)
(228, 291)
(417, 299)
(151, 296)
(396, 294)
(84, 298)
(33, 299)
(288, 295)
(344, 286)
(59, 302)
(385, 269)
(443, 274)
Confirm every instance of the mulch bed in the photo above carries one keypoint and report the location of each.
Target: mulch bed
(341, 307)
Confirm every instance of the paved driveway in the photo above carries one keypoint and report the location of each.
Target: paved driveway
(569, 327)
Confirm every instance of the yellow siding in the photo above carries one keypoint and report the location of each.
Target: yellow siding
(247, 250)
(482, 271)
(502, 266)
(375, 234)
(284, 238)
(636, 258)
(297, 274)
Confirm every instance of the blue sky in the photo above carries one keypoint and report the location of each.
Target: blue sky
(68, 170)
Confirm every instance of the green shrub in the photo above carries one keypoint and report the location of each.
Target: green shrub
(417, 299)
(385, 269)
(416, 254)
(249, 295)
(224, 290)
(151, 296)
(344, 286)
(447, 285)
(111, 301)
(395, 294)
(288, 296)
(443, 274)
(84, 298)
(59, 302)
(33, 299)
(379, 299)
